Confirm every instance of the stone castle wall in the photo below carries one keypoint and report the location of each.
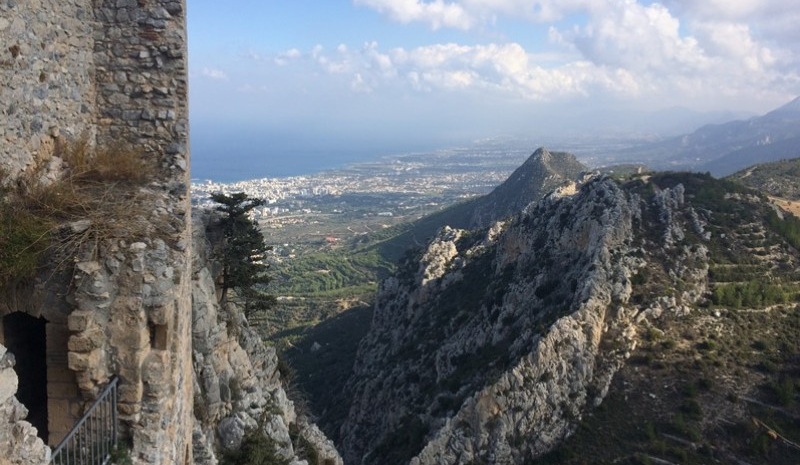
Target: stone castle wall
(141, 77)
(47, 78)
(114, 71)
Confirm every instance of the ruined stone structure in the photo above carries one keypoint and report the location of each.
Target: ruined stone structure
(110, 70)
(193, 378)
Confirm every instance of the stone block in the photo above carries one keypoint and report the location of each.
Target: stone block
(86, 342)
(78, 362)
(7, 359)
(79, 343)
(131, 392)
(161, 314)
(88, 267)
(8, 384)
(125, 408)
(155, 367)
(130, 365)
(87, 379)
(79, 320)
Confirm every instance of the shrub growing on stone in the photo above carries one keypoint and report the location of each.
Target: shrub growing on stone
(256, 449)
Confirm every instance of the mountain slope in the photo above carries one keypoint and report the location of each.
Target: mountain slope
(469, 326)
(725, 148)
(490, 346)
(778, 179)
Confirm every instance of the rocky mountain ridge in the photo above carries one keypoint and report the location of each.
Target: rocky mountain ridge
(543, 172)
(519, 356)
(491, 346)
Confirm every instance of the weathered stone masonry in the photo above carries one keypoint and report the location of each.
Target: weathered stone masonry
(46, 77)
(140, 59)
(114, 70)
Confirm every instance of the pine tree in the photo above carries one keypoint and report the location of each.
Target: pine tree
(243, 252)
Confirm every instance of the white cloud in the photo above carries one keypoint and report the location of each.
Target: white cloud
(436, 13)
(636, 37)
(285, 57)
(673, 35)
(469, 14)
(504, 69)
(633, 52)
(676, 53)
(215, 74)
(734, 42)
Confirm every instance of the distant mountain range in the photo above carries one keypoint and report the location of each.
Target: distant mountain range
(723, 149)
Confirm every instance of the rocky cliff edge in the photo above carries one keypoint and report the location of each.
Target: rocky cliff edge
(237, 382)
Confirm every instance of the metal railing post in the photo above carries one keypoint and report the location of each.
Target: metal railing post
(92, 439)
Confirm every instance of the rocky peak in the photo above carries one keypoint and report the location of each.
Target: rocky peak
(542, 172)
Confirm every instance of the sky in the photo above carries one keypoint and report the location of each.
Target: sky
(312, 76)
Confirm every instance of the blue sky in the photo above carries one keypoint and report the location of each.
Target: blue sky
(378, 73)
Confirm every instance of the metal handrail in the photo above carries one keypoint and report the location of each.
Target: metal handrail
(94, 436)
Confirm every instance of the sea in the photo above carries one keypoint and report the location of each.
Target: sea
(230, 157)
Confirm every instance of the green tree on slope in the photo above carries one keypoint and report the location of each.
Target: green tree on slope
(243, 252)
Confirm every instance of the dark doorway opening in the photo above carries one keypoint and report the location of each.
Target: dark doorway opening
(26, 338)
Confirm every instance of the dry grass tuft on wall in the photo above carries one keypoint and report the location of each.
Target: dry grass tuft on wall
(99, 194)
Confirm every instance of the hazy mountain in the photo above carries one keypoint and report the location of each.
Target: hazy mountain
(666, 122)
(725, 148)
(647, 320)
(748, 156)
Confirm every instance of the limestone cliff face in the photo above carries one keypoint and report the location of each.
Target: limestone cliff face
(488, 346)
(237, 384)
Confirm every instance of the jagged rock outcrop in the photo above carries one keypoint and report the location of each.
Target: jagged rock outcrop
(488, 347)
(237, 382)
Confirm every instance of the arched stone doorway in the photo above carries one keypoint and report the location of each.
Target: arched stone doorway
(25, 336)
